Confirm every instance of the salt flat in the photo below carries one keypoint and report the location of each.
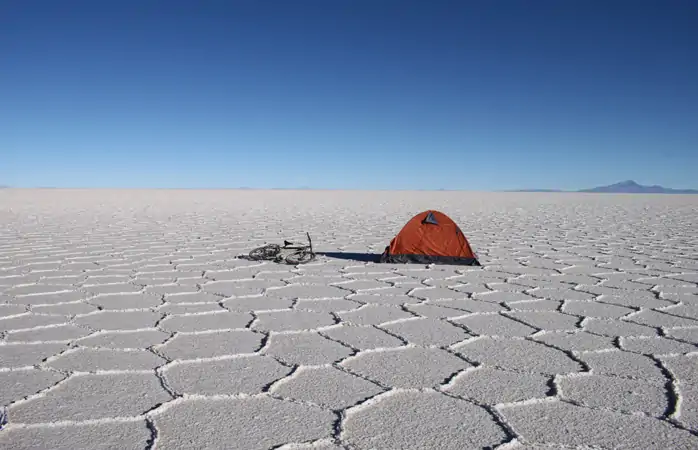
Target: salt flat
(127, 322)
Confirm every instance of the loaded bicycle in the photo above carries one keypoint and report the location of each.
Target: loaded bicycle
(289, 252)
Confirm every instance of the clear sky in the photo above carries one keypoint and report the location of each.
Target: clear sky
(374, 94)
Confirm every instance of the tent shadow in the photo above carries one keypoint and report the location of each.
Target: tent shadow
(361, 257)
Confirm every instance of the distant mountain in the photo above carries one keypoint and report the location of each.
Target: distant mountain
(624, 187)
(631, 187)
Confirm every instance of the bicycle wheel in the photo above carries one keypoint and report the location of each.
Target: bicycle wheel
(300, 257)
(267, 252)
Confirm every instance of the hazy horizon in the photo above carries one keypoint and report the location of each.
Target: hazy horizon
(306, 188)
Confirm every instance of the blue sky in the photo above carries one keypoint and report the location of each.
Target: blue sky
(348, 94)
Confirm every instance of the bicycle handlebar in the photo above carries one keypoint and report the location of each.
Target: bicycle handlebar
(310, 242)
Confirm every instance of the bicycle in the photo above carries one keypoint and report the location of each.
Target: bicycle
(301, 254)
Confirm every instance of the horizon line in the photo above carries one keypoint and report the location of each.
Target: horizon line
(510, 191)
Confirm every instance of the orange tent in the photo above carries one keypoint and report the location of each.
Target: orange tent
(430, 237)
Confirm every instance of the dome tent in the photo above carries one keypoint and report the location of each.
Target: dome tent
(430, 237)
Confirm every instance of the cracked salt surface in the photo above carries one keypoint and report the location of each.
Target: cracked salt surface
(250, 423)
(230, 376)
(127, 322)
(409, 419)
(83, 397)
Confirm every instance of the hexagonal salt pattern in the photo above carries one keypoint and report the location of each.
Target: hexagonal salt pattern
(116, 435)
(421, 420)
(92, 396)
(127, 319)
(260, 423)
(232, 375)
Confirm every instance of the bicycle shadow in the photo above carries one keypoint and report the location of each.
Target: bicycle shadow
(360, 257)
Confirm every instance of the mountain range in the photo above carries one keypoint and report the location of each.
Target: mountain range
(624, 187)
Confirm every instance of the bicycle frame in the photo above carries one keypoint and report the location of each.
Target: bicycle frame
(292, 246)
(273, 252)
